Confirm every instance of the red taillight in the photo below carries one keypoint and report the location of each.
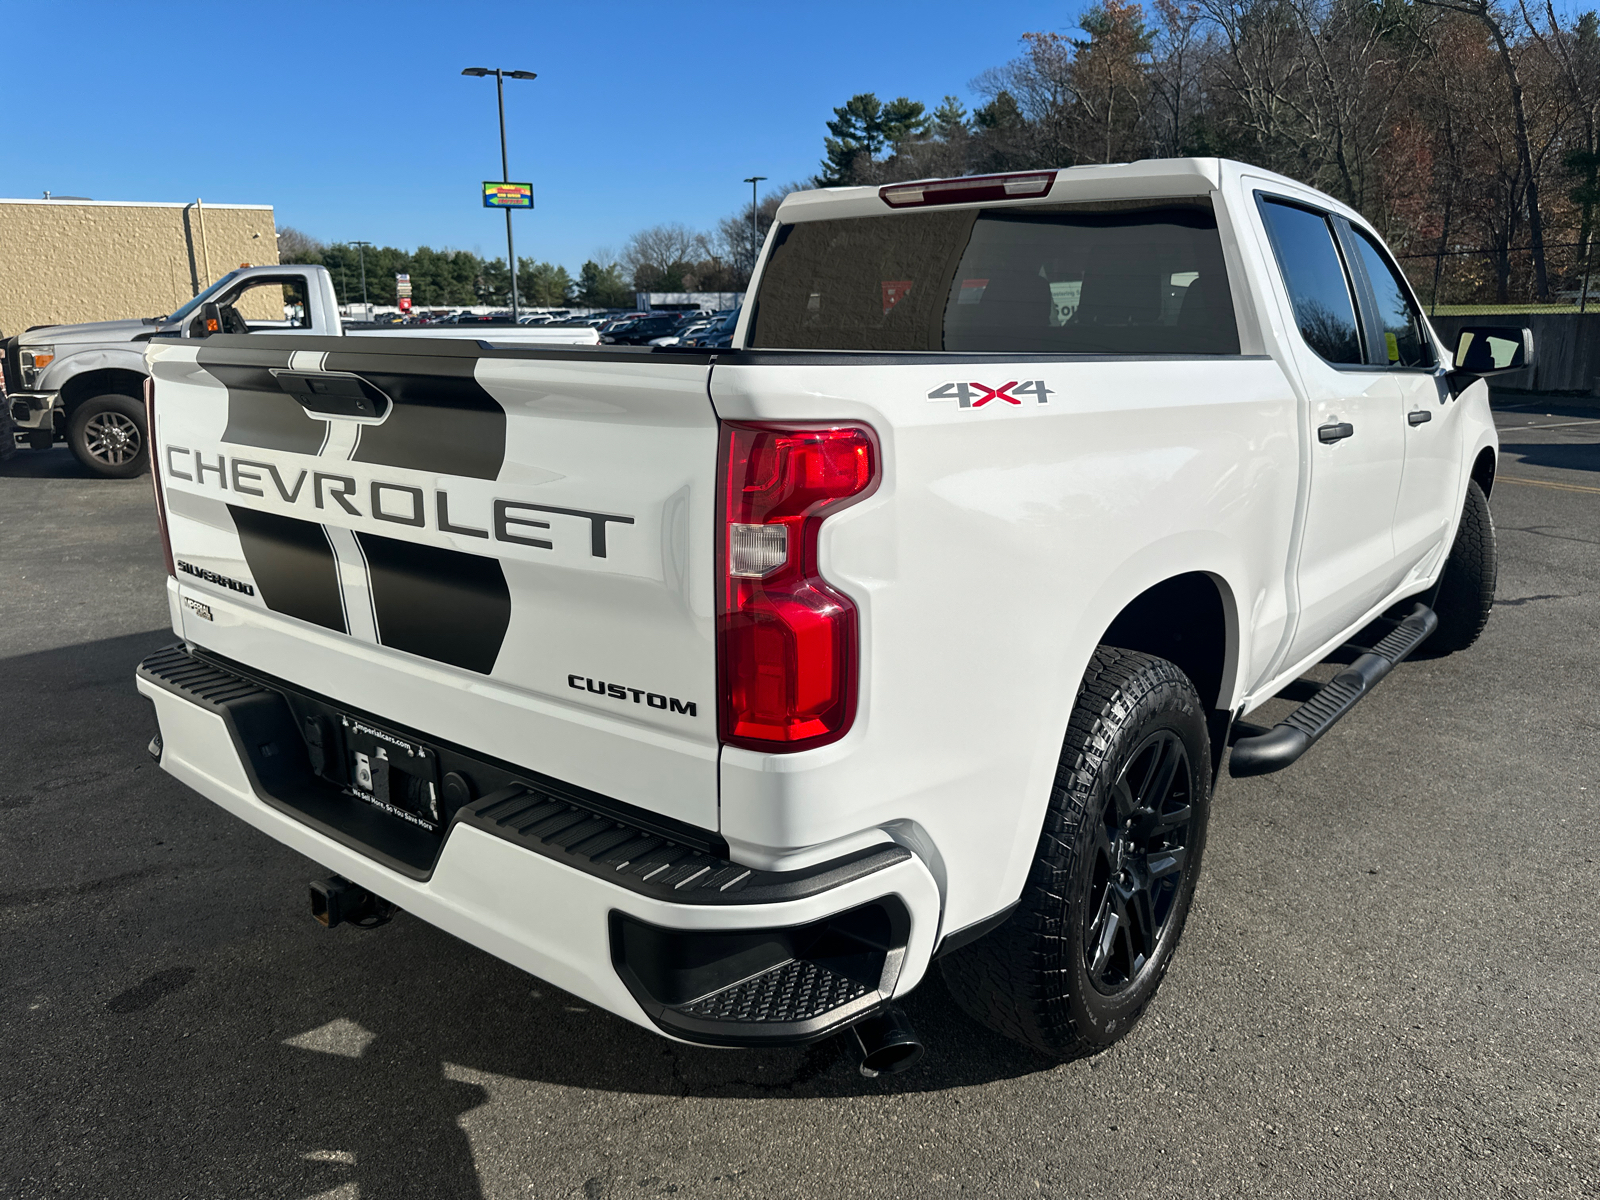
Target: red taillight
(786, 640)
(155, 471)
(974, 188)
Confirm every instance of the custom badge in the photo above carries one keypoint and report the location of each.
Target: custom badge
(976, 395)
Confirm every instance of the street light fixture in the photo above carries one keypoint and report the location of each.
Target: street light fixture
(361, 252)
(755, 249)
(500, 77)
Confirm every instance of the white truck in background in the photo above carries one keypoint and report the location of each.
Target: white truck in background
(85, 383)
(732, 690)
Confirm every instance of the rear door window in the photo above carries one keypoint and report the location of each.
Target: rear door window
(1125, 279)
(1314, 275)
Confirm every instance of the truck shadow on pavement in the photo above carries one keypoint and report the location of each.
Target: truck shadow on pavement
(419, 1061)
(181, 998)
(1562, 456)
(56, 463)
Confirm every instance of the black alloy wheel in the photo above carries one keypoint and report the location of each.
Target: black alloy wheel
(1081, 956)
(1139, 854)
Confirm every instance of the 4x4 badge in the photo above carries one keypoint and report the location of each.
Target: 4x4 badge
(976, 395)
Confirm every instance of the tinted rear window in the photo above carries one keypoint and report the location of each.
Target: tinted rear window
(1125, 279)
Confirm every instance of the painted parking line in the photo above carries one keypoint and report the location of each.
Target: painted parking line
(1565, 487)
(1555, 425)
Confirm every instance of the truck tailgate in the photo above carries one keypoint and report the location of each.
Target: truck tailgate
(510, 549)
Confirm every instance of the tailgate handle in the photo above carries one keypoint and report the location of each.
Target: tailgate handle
(334, 394)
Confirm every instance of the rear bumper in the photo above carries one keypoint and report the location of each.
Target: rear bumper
(697, 947)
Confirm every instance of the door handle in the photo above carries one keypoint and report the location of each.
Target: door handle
(1330, 434)
(1418, 416)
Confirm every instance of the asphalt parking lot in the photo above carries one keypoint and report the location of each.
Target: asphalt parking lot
(1388, 985)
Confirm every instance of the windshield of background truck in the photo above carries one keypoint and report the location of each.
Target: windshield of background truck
(1111, 278)
(211, 291)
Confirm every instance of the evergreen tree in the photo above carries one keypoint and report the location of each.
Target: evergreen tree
(603, 286)
(543, 284)
(950, 119)
(1000, 113)
(861, 130)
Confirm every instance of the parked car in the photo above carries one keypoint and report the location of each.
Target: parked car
(641, 331)
(611, 324)
(686, 327)
(733, 698)
(718, 335)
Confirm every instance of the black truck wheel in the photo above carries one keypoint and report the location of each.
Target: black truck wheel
(1466, 589)
(1074, 966)
(107, 435)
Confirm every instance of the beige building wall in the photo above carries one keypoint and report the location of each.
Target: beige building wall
(69, 261)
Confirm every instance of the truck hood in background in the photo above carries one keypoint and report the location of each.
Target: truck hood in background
(97, 331)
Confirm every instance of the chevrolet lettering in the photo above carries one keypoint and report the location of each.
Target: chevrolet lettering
(384, 501)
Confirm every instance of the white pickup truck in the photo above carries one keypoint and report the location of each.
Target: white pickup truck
(731, 690)
(85, 383)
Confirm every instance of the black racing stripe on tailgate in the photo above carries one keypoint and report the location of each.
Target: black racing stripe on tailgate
(440, 604)
(443, 421)
(261, 413)
(292, 565)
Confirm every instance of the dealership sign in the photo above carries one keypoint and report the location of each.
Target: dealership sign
(507, 195)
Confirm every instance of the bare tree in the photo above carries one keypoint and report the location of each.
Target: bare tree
(294, 246)
(1258, 67)
(731, 243)
(1500, 27)
(1173, 77)
(1576, 53)
(657, 258)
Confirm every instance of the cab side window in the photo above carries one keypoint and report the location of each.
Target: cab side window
(1405, 344)
(1314, 274)
(264, 305)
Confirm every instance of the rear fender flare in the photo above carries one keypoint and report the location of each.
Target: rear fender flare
(1202, 552)
(1193, 552)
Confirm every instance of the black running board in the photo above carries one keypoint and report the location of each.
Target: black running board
(1273, 749)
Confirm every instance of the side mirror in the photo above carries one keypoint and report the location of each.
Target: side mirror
(1484, 350)
(1493, 349)
(208, 322)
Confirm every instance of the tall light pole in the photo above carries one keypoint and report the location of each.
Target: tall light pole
(505, 169)
(755, 248)
(361, 252)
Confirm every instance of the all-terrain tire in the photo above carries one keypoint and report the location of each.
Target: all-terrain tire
(107, 435)
(1044, 977)
(1466, 589)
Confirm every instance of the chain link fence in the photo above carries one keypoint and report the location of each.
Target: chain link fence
(1485, 281)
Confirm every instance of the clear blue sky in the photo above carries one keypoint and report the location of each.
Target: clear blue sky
(353, 120)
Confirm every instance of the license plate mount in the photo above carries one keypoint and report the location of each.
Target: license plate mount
(395, 774)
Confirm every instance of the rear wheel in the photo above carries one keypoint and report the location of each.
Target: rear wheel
(107, 435)
(1075, 965)
(1466, 589)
